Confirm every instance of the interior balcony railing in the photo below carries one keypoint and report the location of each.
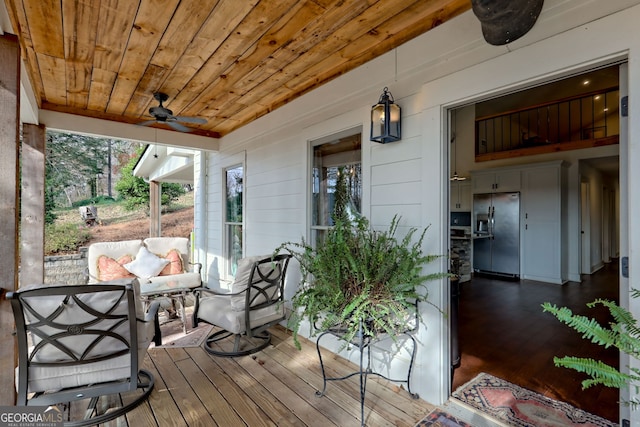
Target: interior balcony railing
(583, 121)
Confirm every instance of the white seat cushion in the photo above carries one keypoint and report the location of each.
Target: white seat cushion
(241, 279)
(48, 378)
(162, 245)
(216, 310)
(160, 284)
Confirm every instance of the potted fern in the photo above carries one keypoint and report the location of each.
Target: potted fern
(358, 277)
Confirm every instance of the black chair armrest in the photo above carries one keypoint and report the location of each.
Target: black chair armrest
(210, 291)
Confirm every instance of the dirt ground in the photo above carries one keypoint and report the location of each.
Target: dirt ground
(173, 224)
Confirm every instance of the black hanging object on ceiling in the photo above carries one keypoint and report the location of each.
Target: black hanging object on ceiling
(161, 114)
(504, 21)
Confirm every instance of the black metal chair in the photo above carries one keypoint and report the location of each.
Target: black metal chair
(82, 342)
(255, 303)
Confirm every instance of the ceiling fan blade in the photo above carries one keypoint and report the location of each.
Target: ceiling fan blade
(147, 123)
(178, 126)
(190, 119)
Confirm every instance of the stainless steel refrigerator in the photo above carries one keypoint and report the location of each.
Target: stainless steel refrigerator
(496, 237)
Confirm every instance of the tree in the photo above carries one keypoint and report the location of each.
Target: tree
(75, 162)
(49, 206)
(135, 191)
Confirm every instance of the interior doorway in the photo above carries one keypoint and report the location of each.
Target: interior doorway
(585, 229)
(504, 332)
(502, 321)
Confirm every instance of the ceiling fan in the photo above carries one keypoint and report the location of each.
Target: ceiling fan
(161, 114)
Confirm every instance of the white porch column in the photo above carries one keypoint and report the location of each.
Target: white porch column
(155, 189)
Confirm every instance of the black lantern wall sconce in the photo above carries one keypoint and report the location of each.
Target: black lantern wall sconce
(385, 119)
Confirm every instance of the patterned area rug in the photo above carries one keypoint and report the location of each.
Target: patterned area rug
(438, 418)
(520, 407)
(173, 335)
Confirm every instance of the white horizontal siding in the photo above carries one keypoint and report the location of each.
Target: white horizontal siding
(275, 196)
(448, 66)
(396, 194)
(394, 173)
(278, 202)
(393, 153)
(410, 215)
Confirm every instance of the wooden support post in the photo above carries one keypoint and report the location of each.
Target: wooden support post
(155, 193)
(9, 199)
(32, 206)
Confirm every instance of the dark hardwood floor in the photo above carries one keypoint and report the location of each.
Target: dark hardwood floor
(504, 332)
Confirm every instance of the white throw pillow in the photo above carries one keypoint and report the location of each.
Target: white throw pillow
(146, 264)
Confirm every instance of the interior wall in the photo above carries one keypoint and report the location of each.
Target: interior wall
(596, 203)
(604, 211)
(465, 154)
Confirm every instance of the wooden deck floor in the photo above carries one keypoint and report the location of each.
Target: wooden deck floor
(275, 387)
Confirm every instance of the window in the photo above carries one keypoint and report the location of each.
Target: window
(339, 155)
(234, 178)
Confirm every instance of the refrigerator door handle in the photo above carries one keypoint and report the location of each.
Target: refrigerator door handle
(492, 212)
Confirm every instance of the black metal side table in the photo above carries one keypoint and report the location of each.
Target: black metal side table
(363, 342)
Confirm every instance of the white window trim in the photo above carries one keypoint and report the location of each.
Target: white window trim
(230, 163)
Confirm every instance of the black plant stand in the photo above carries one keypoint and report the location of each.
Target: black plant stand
(363, 341)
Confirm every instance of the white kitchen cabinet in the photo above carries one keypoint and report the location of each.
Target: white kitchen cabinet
(496, 180)
(543, 219)
(460, 196)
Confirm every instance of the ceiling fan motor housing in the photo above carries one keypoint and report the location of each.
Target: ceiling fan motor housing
(160, 113)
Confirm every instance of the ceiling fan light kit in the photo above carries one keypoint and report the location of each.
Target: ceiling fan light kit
(162, 114)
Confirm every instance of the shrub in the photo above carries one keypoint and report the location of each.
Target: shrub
(64, 238)
(135, 191)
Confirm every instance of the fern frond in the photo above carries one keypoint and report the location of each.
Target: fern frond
(600, 372)
(589, 328)
(620, 315)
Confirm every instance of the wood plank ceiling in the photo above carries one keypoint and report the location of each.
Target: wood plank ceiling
(226, 61)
